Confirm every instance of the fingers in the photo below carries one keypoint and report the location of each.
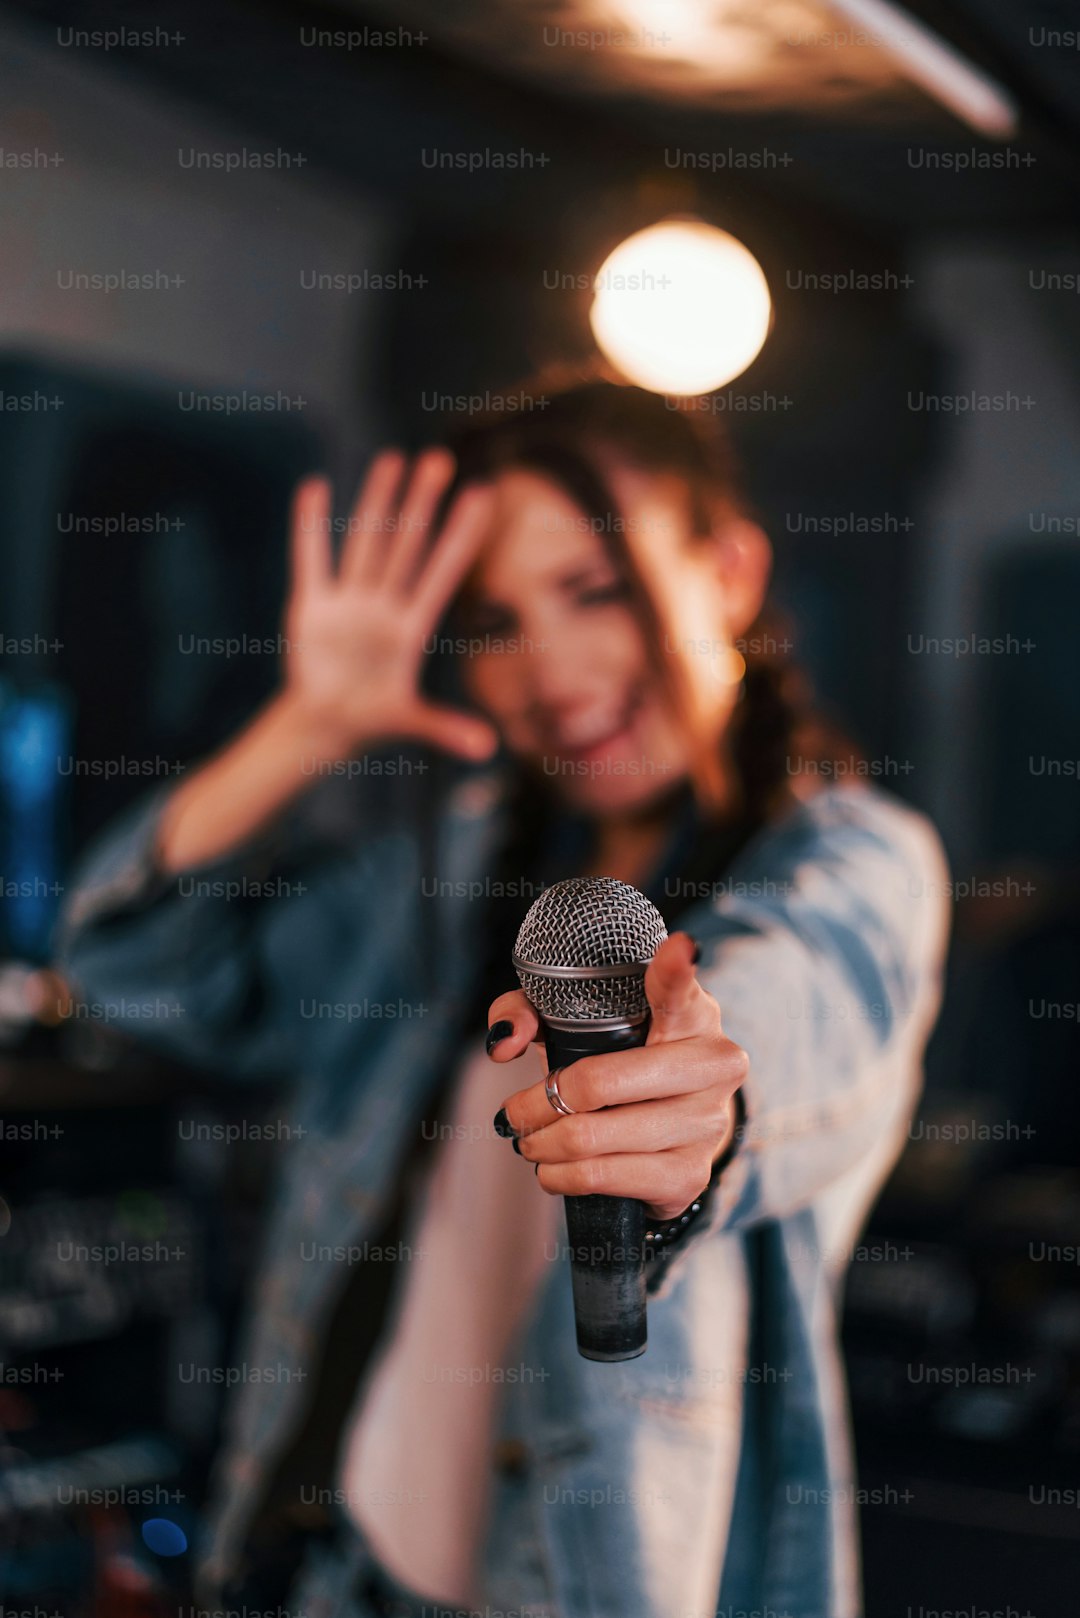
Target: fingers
(645, 1123)
(370, 517)
(648, 1073)
(385, 545)
(432, 477)
(463, 534)
(309, 535)
(515, 1009)
(639, 1127)
(453, 730)
(681, 1008)
(667, 1182)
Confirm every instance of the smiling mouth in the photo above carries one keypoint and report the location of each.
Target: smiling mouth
(598, 737)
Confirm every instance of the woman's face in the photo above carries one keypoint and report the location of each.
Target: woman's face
(557, 657)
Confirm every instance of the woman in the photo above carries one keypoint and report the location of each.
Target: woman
(546, 655)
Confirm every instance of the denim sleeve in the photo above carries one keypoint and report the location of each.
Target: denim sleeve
(166, 962)
(825, 950)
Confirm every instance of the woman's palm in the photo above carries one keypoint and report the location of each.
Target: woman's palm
(355, 634)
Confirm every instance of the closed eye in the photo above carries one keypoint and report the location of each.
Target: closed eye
(483, 619)
(600, 594)
(489, 618)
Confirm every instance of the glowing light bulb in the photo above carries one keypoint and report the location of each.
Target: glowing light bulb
(680, 307)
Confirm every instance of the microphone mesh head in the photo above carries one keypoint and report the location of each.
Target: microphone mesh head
(589, 924)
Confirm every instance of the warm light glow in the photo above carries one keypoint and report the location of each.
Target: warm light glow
(680, 307)
(688, 30)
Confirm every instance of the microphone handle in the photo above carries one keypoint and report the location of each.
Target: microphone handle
(606, 1234)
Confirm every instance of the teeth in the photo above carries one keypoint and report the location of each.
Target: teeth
(593, 735)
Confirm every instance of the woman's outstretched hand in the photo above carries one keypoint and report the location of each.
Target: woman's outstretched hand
(355, 633)
(650, 1122)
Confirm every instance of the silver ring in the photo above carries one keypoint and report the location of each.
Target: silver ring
(551, 1090)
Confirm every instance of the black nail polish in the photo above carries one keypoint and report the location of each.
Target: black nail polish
(696, 956)
(497, 1031)
(502, 1125)
(514, 1144)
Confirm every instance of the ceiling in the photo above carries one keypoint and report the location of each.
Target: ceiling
(787, 97)
(720, 56)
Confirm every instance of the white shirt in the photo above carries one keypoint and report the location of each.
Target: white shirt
(418, 1460)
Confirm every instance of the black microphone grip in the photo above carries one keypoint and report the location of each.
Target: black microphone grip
(606, 1234)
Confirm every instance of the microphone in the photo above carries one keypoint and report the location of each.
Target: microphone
(580, 958)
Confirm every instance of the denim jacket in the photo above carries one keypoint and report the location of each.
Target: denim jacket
(823, 946)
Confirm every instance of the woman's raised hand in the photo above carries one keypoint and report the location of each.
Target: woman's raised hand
(355, 633)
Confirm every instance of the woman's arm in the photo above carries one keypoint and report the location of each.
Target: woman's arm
(238, 793)
(132, 931)
(354, 639)
(830, 973)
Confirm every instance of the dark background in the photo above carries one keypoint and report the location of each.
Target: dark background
(955, 526)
